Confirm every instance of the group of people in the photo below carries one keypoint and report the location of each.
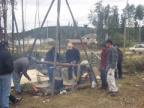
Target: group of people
(111, 59)
(14, 69)
(72, 56)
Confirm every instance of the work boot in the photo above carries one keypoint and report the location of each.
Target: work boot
(20, 92)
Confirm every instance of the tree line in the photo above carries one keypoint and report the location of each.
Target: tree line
(125, 27)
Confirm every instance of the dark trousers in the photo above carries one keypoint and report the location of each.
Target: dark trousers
(70, 70)
(104, 78)
(50, 73)
(119, 68)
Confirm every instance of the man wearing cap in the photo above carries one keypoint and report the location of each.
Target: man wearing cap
(6, 68)
(72, 55)
(50, 57)
(20, 68)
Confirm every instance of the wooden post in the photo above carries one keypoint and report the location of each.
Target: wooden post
(18, 37)
(56, 40)
(4, 3)
(59, 35)
(41, 28)
(12, 3)
(23, 33)
(81, 40)
(1, 32)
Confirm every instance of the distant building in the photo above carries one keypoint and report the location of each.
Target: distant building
(29, 41)
(77, 43)
(91, 38)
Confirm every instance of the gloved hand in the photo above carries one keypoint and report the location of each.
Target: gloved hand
(73, 62)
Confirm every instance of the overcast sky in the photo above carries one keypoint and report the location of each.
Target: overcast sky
(80, 9)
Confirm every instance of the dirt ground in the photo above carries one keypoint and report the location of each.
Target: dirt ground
(130, 95)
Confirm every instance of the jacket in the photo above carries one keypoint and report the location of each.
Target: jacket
(50, 57)
(6, 63)
(111, 58)
(76, 54)
(103, 61)
(120, 56)
(70, 55)
(21, 66)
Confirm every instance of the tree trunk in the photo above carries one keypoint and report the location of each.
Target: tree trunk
(18, 37)
(140, 31)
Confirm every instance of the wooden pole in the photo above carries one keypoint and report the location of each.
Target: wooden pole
(12, 26)
(59, 35)
(56, 40)
(1, 32)
(23, 34)
(4, 2)
(18, 37)
(81, 40)
(41, 28)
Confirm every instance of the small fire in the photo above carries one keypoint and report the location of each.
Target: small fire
(35, 89)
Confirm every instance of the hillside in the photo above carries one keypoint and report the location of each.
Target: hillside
(66, 32)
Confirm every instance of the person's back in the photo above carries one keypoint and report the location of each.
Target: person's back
(6, 63)
(70, 55)
(76, 54)
(20, 64)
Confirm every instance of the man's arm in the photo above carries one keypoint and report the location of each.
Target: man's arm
(24, 71)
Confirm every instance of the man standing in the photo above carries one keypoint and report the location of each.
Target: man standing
(6, 68)
(120, 58)
(20, 68)
(50, 57)
(102, 67)
(110, 67)
(72, 55)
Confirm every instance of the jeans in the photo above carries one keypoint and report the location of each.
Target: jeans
(16, 80)
(70, 70)
(5, 86)
(111, 80)
(91, 77)
(104, 78)
(50, 72)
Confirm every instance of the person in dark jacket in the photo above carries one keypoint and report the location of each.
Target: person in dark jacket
(72, 55)
(20, 68)
(120, 58)
(50, 57)
(102, 67)
(6, 68)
